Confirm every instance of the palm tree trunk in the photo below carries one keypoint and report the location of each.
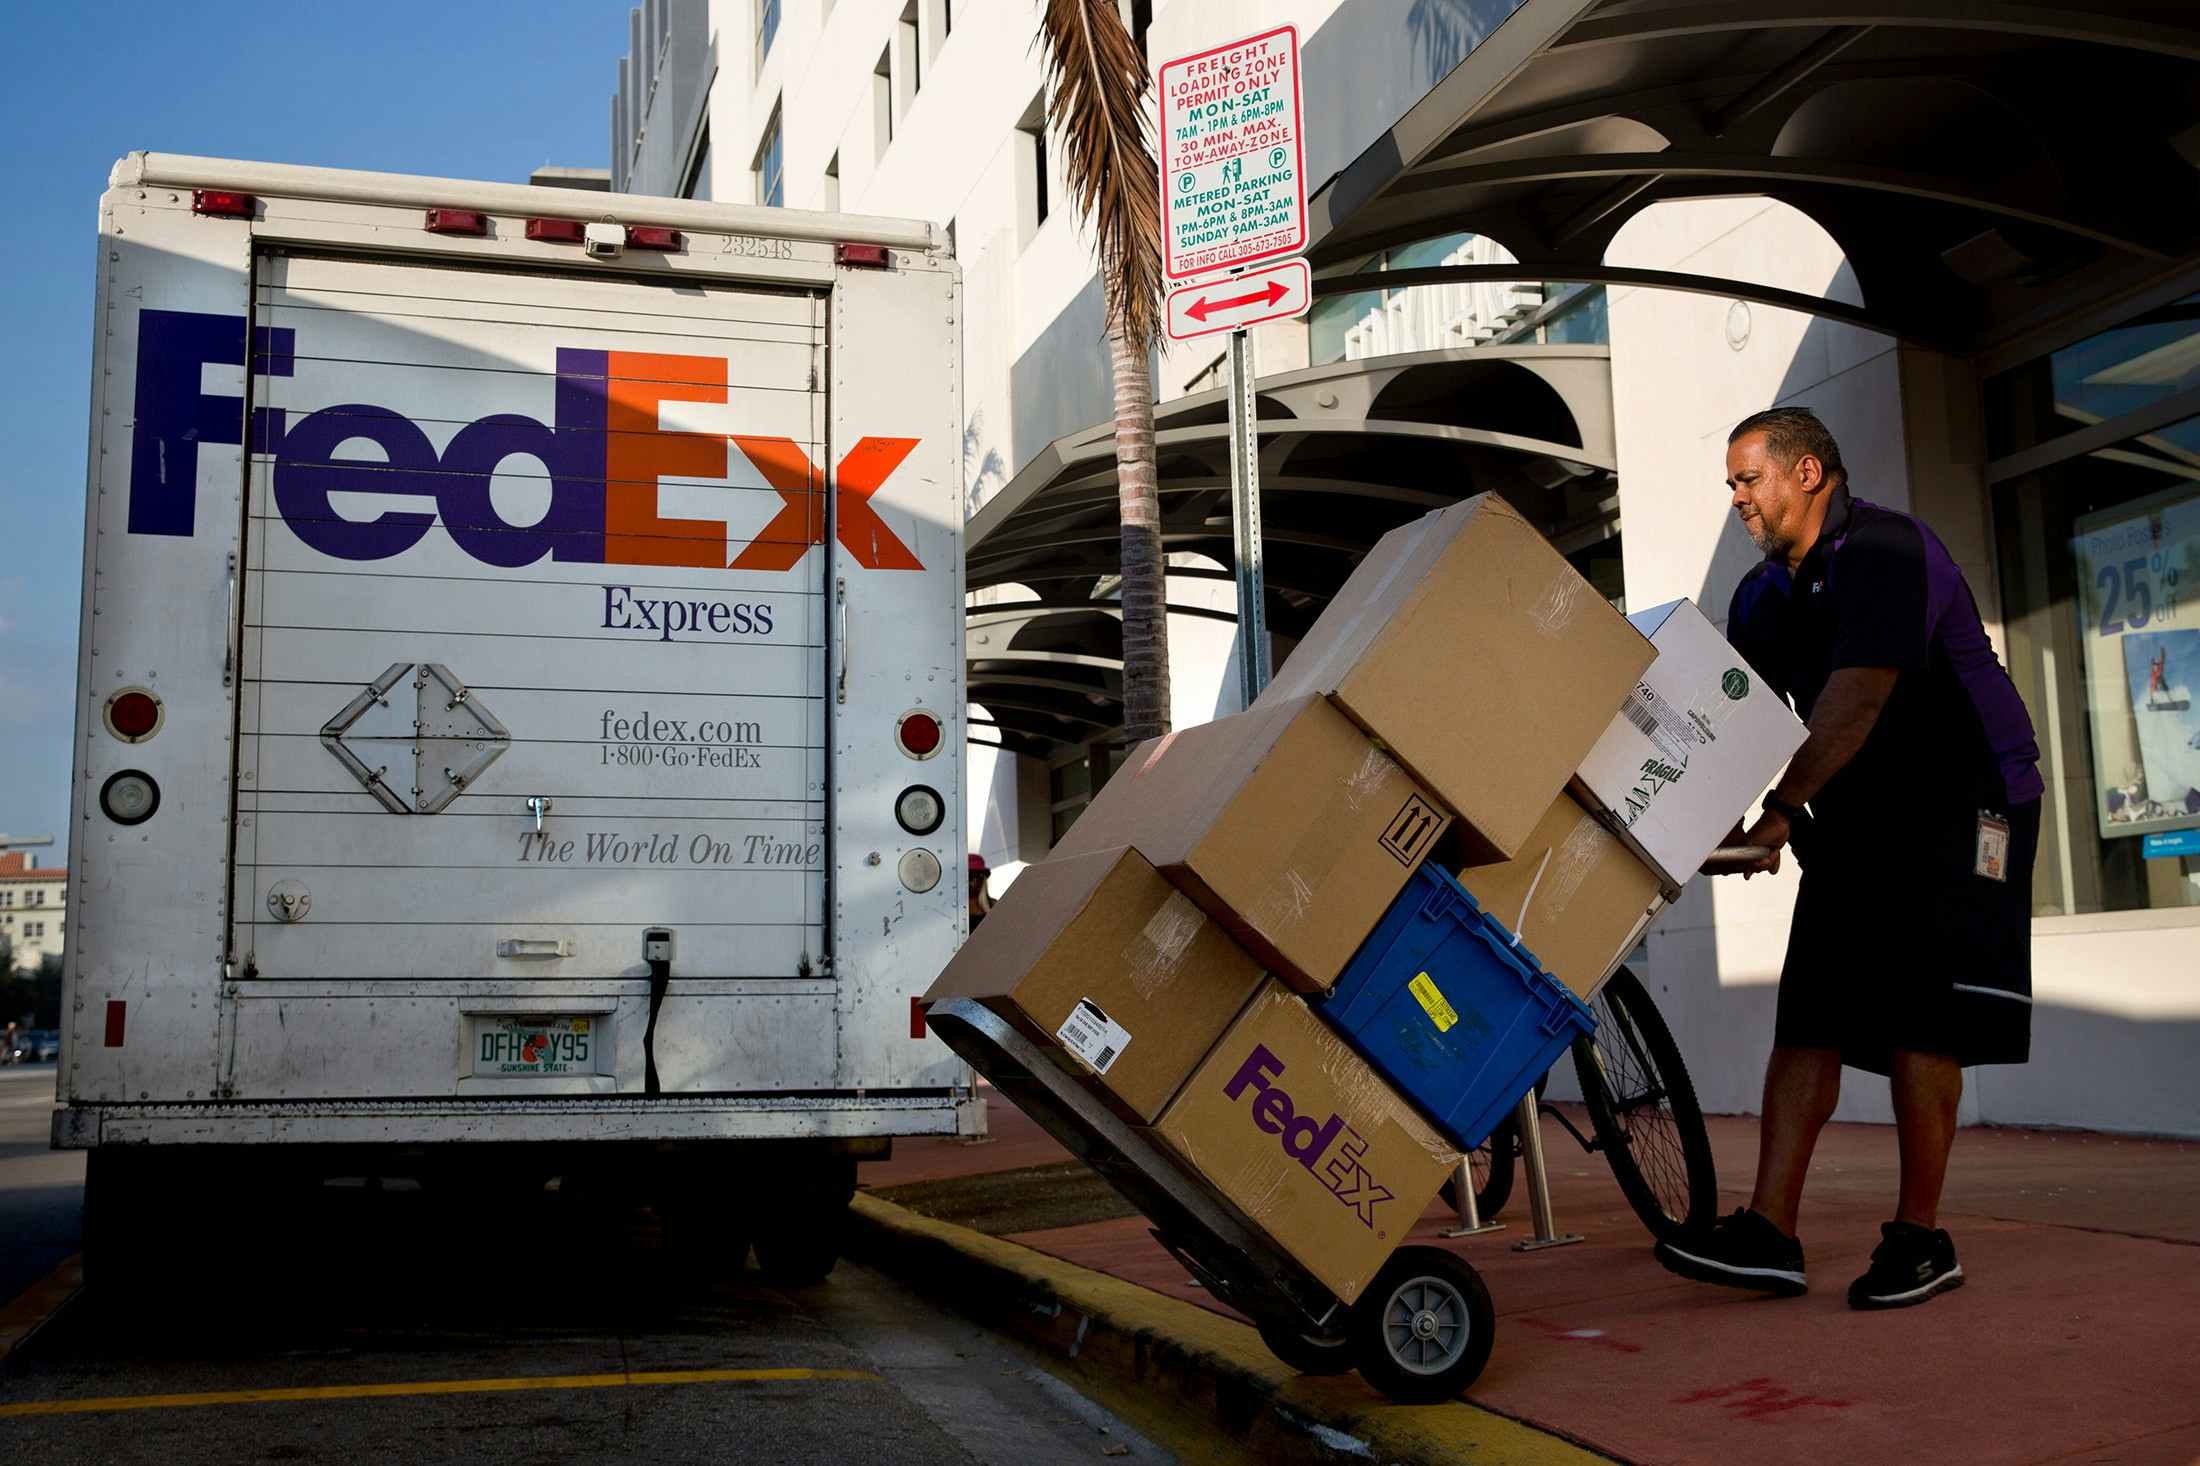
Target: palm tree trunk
(1145, 589)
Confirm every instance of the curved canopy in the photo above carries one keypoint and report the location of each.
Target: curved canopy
(1348, 452)
(1986, 165)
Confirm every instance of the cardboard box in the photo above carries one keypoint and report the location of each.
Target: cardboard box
(1293, 1128)
(1698, 738)
(1575, 896)
(1285, 824)
(1471, 650)
(1112, 969)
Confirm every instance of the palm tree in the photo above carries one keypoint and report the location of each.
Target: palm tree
(1096, 83)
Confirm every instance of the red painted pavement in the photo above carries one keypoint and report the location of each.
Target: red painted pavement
(2074, 1340)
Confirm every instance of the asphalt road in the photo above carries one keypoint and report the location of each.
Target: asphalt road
(392, 1327)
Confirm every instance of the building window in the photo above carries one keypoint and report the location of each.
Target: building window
(1138, 19)
(906, 34)
(829, 198)
(882, 100)
(2097, 527)
(7, 898)
(767, 26)
(34, 898)
(1032, 202)
(32, 930)
(771, 180)
(698, 178)
(1579, 315)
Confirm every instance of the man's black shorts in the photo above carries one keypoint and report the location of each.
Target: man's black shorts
(1898, 945)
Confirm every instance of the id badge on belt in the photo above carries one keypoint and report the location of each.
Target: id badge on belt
(1993, 847)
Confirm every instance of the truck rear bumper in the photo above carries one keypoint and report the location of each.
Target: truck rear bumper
(564, 1119)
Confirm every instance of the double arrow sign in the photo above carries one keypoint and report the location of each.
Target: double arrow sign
(1234, 302)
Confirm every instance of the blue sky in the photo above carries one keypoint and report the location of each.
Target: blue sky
(470, 90)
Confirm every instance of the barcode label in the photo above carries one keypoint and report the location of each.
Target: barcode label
(1093, 1036)
(1640, 717)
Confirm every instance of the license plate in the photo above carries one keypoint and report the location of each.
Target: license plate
(561, 1044)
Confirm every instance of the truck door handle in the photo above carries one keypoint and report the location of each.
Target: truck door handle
(229, 625)
(840, 594)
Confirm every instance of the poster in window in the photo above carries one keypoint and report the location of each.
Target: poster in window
(2138, 570)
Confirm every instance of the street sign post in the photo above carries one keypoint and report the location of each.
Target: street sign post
(1234, 302)
(1233, 195)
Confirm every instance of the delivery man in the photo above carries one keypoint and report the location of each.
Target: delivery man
(1914, 808)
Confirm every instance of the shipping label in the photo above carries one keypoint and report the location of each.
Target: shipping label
(1093, 1036)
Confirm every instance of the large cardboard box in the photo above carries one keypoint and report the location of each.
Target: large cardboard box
(1285, 824)
(1112, 969)
(1310, 1144)
(1698, 738)
(1470, 649)
(1575, 896)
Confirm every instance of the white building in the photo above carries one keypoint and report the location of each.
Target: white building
(33, 909)
(2030, 459)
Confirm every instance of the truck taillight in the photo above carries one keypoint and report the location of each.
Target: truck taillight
(556, 231)
(918, 733)
(863, 257)
(222, 203)
(457, 221)
(133, 715)
(651, 236)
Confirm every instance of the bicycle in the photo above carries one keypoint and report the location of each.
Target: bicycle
(1642, 1112)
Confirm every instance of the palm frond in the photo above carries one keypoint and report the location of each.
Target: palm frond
(1096, 91)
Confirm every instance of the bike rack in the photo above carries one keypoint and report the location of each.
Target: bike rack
(1539, 1182)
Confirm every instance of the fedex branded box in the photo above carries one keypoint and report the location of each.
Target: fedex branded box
(1311, 1145)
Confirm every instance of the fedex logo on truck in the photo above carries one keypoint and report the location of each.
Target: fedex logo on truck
(1307, 1140)
(603, 449)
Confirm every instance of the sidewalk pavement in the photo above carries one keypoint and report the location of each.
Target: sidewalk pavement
(2074, 1339)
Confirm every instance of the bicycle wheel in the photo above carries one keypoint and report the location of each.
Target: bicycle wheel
(1491, 1166)
(1644, 1108)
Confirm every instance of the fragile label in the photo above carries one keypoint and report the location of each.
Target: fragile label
(1093, 1036)
(1440, 1011)
(1993, 847)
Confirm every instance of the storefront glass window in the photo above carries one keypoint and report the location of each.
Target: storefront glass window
(2100, 570)
(2123, 370)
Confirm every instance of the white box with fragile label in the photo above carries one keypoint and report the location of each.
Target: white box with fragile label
(1698, 738)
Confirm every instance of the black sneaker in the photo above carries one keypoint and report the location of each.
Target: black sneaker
(1910, 1265)
(1743, 1250)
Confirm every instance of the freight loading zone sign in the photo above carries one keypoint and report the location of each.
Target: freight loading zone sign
(1233, 166)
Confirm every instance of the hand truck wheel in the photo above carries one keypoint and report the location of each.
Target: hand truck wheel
(1307, 1354)
(1422, 1331)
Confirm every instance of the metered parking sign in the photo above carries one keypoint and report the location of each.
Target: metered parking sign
(1233, 169)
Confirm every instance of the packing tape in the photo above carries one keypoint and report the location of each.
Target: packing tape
(1153, 956)
(1576, 856)
(1554, 611)
(1375, 770)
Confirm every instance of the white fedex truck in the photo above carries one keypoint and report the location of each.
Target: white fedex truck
(519, 720)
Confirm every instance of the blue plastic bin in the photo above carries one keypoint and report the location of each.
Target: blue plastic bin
(1448, 1009)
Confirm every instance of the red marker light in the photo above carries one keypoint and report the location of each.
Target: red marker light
(222, 203)
(457, 221)
(863, 256)
(133, 715)
(651, 236)
(555, 231)
(918, 734)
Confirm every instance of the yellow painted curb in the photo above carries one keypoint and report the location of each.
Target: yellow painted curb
(39, 1302)
(1153, 1342)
